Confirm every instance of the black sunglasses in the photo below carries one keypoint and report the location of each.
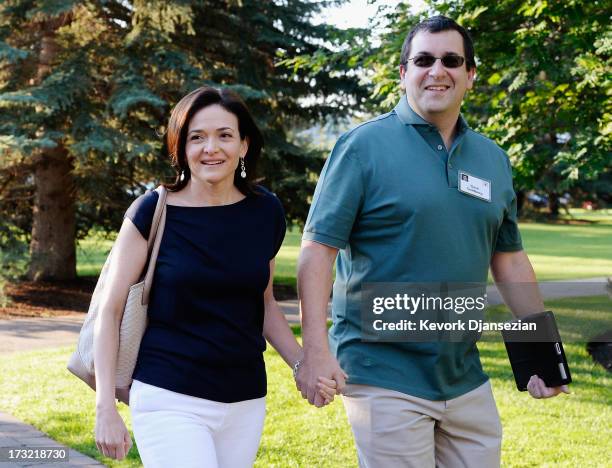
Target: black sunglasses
(449, 60)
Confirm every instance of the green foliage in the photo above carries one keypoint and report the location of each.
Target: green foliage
(115, 68)
(543, 82)
(11, 54)
(560, 108)
(13, 256)
(43, 9)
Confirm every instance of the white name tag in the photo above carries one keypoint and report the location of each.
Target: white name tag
(474, 186)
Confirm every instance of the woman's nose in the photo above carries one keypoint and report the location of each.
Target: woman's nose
(211, 145)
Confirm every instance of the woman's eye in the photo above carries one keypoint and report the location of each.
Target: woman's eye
(195, 137)
(226, 135)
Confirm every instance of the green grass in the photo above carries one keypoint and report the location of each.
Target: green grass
(570, 430)
(91, 254)
(557, 251)
(569, 251)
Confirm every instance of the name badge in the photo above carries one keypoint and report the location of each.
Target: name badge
(474, 186)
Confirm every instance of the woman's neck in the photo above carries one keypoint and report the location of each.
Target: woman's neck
(197, 193)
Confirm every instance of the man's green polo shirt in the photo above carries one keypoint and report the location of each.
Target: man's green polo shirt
(388, 199)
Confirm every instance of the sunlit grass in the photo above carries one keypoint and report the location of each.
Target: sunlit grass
(557, 251)
(570, 430)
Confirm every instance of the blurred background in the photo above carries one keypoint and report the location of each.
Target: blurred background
(86, 88)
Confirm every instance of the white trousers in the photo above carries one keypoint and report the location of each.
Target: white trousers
(176, 430)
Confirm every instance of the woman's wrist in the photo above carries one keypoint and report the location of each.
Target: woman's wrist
(296, 367)
(106, 404)
(296, 361)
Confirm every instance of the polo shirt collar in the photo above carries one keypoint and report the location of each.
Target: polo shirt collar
(409, 117)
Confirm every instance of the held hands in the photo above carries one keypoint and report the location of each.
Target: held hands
(112, 437)
(538, 389)
(326, 388)
(319, 377)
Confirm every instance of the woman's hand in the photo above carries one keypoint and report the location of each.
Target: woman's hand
(112, 437)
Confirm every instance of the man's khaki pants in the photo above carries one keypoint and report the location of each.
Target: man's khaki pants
(393, 429)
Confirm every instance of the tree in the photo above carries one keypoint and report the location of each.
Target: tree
(543, 83)
(86, 88)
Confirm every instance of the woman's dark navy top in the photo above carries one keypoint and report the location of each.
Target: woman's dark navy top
(206, 308)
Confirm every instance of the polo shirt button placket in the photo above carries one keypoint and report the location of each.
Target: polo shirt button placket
(440, 147)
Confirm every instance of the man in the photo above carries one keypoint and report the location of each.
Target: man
(389, 201)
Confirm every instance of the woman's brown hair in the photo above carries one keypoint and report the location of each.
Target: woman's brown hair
(176, 136)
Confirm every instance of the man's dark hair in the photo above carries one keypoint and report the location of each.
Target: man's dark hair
(438, 24)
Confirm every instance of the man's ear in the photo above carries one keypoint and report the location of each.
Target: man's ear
(471, 78)
(402, 73)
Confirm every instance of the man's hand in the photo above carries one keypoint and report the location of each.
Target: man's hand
(538, 389)
(313, 366)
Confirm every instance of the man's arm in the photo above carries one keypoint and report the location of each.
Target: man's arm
(516, 281)
(315, 268)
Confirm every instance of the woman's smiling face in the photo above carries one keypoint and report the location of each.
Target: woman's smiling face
(213, 145)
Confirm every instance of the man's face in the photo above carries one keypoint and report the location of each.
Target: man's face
(436, 92)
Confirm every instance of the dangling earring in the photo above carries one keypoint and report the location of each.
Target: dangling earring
(242, 168)
(182, 177)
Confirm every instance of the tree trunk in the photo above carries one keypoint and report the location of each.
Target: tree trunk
(52, 248)
(553, 204)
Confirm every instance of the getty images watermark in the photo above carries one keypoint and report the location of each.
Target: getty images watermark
(466, 312)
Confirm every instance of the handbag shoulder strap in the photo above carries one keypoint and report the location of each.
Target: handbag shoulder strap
(157, 215)
(155, 237)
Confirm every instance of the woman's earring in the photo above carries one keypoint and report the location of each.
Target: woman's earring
(242, 168)
(182, 177)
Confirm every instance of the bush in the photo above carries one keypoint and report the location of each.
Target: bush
(13, 257)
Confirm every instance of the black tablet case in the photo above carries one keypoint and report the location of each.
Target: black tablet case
(544, 357)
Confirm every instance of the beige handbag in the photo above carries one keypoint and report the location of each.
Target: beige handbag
(133, 322)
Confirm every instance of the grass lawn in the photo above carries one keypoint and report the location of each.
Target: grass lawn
(557, 251)
(570, 251)
(571, 430)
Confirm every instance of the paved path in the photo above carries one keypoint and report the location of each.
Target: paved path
(38, 333)
(16, 435)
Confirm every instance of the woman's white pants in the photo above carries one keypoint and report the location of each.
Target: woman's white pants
(176, 430)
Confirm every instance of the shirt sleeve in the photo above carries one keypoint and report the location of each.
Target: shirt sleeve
(338, 197)
(508, 236)
(141, 212)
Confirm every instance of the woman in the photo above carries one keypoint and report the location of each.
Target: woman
(198, 397)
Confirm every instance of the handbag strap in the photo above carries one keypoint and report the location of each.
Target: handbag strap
(154, 241)
(157, 214)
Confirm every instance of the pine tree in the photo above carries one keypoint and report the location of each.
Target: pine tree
(86, 88)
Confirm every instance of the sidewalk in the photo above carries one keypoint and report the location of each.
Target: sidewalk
(36, 333)
(39, 333)
(16, 435)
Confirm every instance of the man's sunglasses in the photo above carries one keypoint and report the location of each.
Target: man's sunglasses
(449, 60)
